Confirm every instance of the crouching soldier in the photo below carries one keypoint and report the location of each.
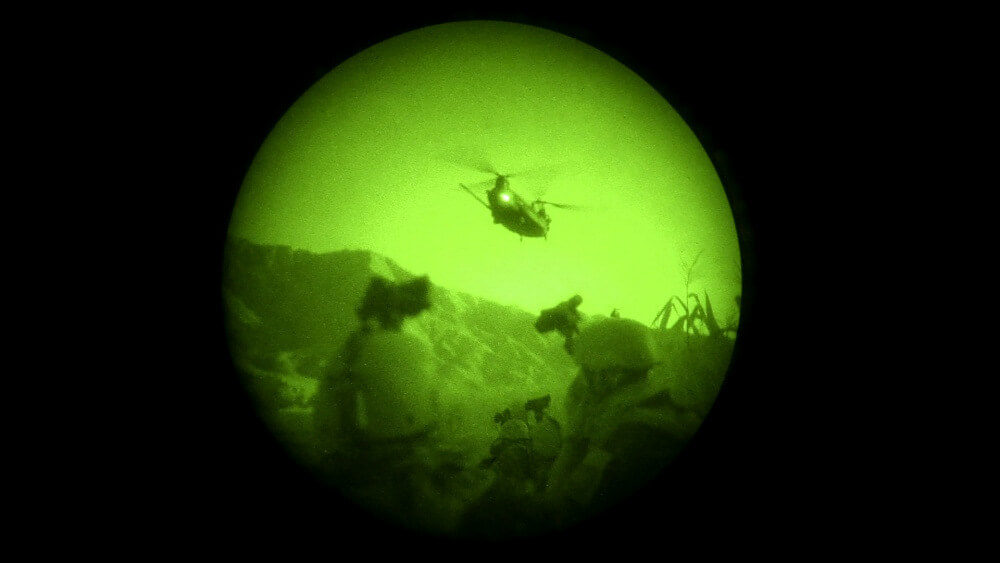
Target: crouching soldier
(623, 422)
(520, 458)
(374, 411)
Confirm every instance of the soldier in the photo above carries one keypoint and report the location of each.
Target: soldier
(373, 411)
(529, 441)
(389, 303)
(620, 424)
(564, 318)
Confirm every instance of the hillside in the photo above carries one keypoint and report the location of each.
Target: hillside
(289, 313)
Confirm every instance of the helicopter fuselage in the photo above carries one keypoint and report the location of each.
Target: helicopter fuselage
(513, 212)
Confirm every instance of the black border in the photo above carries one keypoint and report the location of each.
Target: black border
(731, 86)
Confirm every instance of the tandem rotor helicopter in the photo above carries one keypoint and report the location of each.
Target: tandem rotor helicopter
(513, 211)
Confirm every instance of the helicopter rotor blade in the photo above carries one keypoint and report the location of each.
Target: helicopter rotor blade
(539, 172)
(487, 168)
(469, 158)
(564, 205)
(483, 183)
(481, 166)
(473, 194)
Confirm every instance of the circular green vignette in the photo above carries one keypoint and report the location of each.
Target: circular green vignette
(427, 354)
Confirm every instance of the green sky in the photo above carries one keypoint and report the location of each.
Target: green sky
(371, 157)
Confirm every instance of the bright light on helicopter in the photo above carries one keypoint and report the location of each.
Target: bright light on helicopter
(505, 197)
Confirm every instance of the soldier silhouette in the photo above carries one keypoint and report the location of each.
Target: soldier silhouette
(563, 318)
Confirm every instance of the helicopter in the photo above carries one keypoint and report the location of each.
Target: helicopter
(527, 219)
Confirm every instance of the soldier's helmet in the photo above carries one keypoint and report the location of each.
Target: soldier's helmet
(613, 353)
(616, 343)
